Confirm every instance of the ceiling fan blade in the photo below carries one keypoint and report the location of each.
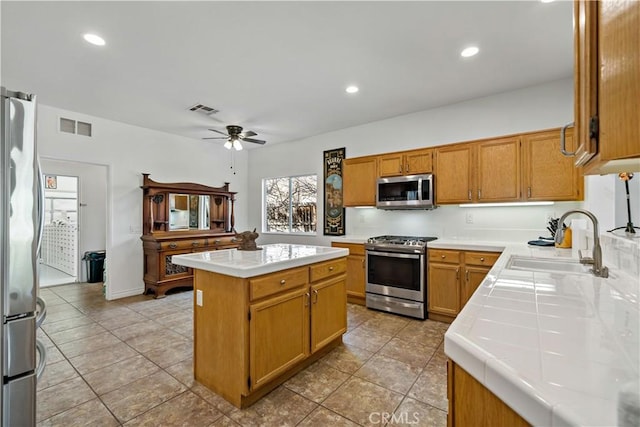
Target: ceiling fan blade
(217, 137)
(255, 141)
(248, 133)
(217, 131)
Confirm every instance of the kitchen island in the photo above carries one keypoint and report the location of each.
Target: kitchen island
(261, 316)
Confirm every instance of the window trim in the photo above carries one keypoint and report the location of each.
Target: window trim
(264, 207)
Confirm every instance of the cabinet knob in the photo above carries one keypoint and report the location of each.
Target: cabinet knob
(331, 268)
(482, 259)
(443, 256)
(282, 282)
(173, 245)
(469, 194)
(217, 241)
(195, 244)
(529, 192)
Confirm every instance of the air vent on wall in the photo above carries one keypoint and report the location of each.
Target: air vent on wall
(75, 127)
(201, 108)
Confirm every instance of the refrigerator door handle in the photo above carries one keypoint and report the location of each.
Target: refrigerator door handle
(40, 197)
(41, 309)
(42, 359)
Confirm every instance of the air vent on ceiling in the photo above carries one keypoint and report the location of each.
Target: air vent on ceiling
(75, 127)
(201, 108)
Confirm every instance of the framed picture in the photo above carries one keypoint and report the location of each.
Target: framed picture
(333, 207)
(50, 182)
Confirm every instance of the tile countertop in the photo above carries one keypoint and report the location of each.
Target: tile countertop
(272, 258)
(558, 348)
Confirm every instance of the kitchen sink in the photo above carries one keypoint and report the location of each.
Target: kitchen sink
(547, 264)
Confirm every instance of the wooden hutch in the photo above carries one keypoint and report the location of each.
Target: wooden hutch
(179, 218)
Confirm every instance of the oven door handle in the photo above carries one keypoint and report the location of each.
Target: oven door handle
(394, 254)
(407, 304)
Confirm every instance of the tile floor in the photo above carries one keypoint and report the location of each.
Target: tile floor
(129, 363)
(49, 276)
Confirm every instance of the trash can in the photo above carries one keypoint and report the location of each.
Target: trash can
(95, 265)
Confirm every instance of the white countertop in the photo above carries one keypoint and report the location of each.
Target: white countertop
(555, 347)
(273, 257)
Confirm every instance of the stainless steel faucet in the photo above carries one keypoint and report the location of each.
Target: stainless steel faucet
(596, 258)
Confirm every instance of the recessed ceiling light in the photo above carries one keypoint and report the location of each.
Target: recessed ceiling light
(352, 89)
(94, 39)
(469, 51)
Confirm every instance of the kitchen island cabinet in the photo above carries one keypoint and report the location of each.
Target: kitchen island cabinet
(261, 316)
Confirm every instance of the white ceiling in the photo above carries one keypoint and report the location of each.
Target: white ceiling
(277, 68)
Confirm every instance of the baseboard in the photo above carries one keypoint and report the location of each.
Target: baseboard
(123, 294)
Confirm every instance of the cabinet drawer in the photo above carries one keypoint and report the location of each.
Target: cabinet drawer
(444, 255)
(481, 258)
(326, 269)
(277, 282)
(183, 244)
(354, 248)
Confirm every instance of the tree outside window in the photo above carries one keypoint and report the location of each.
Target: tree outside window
(290, 204)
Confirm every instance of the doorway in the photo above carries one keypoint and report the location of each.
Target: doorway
(80, 214)
(59, 251)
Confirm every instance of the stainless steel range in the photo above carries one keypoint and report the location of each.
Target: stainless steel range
(397, 274)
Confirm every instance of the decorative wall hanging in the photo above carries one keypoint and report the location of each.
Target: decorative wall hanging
(50, 182)
(333, 207)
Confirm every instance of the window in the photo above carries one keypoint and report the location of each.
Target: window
(290, 204)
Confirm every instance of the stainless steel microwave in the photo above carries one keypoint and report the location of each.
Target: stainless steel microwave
(406, 192)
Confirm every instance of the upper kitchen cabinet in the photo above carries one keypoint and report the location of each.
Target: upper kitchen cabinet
(607, 89)
(454, 174)
(359, 175)
(483, 171)
(547, 174)
(413, 162)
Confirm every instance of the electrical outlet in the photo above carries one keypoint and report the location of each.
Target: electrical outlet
(199, 298)
(469, 218)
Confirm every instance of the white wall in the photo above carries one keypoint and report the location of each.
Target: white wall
(539, 107)
(128, 151)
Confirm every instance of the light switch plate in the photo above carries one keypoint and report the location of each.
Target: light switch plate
(199, 297)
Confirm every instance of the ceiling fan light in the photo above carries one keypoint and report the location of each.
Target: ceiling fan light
(237, 145)
(228, 145)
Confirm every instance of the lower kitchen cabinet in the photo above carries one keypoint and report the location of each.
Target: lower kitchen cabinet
(453, 276)
(252, 334)
(472, 404)
(356, 275)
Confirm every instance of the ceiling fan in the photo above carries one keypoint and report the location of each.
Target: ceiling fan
(234, 135)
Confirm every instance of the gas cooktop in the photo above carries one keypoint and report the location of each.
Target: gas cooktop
(396, 241)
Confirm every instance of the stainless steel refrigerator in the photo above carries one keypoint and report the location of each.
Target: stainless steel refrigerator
(21, 214)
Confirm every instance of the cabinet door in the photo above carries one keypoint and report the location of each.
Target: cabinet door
(328, 311)
(169, 270)
(278, 335)
(443, 289)
(548, 175)
(391, 165)
(619, 86)
(498, 168)
(585, 80)
(356, 276)
(473, 276)
(454, 174)
(359, 181)
(418, 162)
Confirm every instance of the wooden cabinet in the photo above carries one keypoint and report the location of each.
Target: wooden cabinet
(547, 174)
(606, 86)
(454, 174)
(472, 404)
(250, 335)
(453, 276)
(406, 163)
(356, 274)
(482, 171)
(208, 217)
(359, 177)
